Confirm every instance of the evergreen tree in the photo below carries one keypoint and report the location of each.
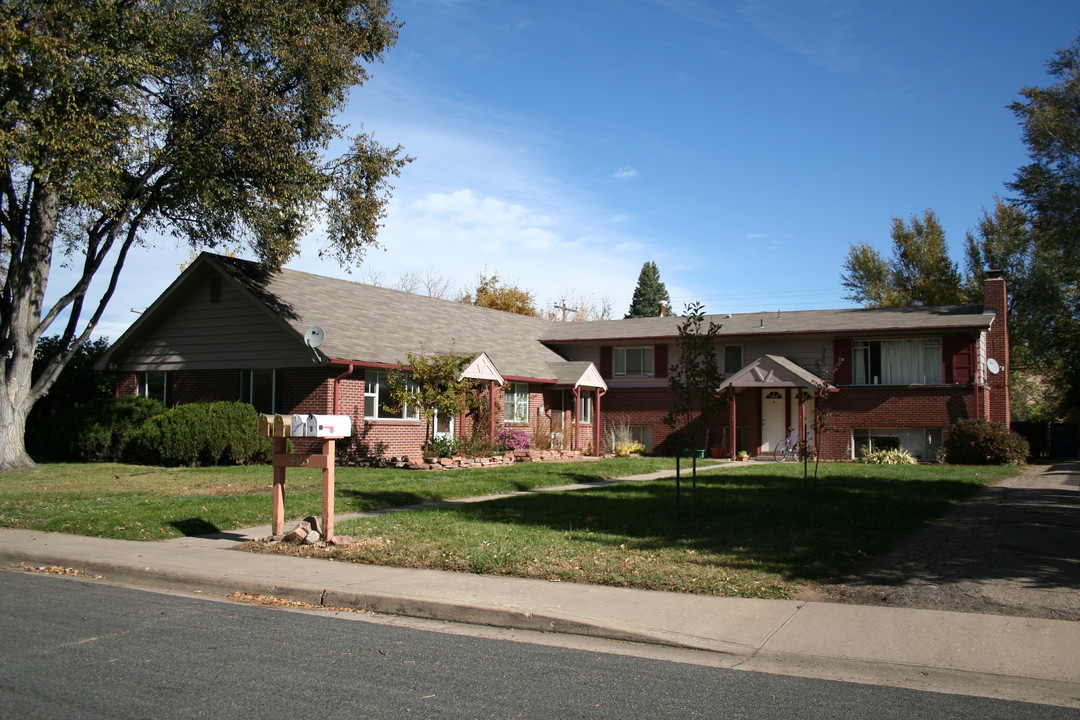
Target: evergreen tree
(649, 294)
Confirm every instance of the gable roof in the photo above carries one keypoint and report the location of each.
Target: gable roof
(773, 371)
(362, 323)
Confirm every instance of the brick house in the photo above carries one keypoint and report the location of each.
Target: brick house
(225, 330)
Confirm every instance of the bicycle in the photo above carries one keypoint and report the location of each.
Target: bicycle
(794, 448)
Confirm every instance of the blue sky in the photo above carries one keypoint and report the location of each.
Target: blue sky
(743, 146)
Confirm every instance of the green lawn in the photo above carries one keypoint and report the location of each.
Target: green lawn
(759, 531)
(150, 503)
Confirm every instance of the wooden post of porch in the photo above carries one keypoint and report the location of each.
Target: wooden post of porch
(732, 434)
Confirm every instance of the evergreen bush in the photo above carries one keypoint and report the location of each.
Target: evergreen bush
(979, 442)
(200, 434)
(94, 432)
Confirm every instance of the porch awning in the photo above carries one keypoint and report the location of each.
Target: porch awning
(577, 374)
(773, 371)
(481, 368)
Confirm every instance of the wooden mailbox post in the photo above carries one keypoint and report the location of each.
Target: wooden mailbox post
(329, 429)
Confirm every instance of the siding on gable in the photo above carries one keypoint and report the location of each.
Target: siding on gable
(230, 333)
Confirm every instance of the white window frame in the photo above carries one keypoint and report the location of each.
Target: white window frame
(646, 359)
(142, 380)
(586, 406)
(377, 393)
(516, 402)
(882, 362)
(247, 389)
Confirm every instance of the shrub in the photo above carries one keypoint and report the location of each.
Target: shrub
(200, 434)
(513, 440)
(96, 431)
(886, 457)
(979, 442)
(442, 447)
(628, 447)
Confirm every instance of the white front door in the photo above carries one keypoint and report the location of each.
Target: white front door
(444, 428)
(773, 419)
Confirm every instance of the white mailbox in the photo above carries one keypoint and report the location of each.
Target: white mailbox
(329, 426)
(299, 426)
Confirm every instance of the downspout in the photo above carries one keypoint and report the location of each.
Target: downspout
(337, 380)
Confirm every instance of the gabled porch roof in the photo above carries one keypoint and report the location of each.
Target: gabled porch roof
(773, 371)
(577, 374)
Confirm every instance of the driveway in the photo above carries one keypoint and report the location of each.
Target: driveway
(1013, 549)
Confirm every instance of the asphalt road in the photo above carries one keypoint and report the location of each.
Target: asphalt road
(79, 649)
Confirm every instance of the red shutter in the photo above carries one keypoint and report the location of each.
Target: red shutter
(605, 362)
(958, 356)
(842, 357)
(660, 366)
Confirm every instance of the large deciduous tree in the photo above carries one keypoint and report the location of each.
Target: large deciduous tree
(208, 119)
(919, 271)
(649, 294)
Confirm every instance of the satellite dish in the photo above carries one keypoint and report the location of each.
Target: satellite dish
(314, 336)
(993, 366)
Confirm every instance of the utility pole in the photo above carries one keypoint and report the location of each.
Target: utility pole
(565, 310)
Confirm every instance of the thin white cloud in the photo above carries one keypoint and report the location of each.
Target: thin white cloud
(625, 174)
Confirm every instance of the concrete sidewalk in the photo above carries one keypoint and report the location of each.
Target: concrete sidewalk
(989, 655)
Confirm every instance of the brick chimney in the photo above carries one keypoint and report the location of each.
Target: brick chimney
(997, 405)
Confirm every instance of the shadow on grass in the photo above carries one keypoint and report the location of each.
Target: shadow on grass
(765, 522)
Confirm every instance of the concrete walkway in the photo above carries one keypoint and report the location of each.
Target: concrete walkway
(1034, 660)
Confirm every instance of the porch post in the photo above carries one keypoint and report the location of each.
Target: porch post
(596, 423)
(732, 433)
(802, 413)
(577, 415)
(491, 410)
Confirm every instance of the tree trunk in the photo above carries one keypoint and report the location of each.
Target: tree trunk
(12, 437)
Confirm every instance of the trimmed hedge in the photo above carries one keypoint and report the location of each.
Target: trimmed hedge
(95, 432)
(200, 434)
(979, 442)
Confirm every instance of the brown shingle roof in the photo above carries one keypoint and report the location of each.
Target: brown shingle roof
(852, 320)
(364, 323)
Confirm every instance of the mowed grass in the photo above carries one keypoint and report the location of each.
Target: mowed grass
(758, 531)
(135, 502)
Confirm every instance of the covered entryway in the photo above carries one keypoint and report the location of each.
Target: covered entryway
(583, 388)
(786, 396)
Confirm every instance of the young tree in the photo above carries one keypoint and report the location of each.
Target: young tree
(206, 120)
(696, 377)
(430, 382)
(649, 294)
(920, 269)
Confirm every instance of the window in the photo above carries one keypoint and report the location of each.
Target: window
(732, 359)
(259, 388)
(377, 395)
(517, 403)
(896, 362)
(586, 406)
(922, 443)
(633, 361)
(155, 384)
